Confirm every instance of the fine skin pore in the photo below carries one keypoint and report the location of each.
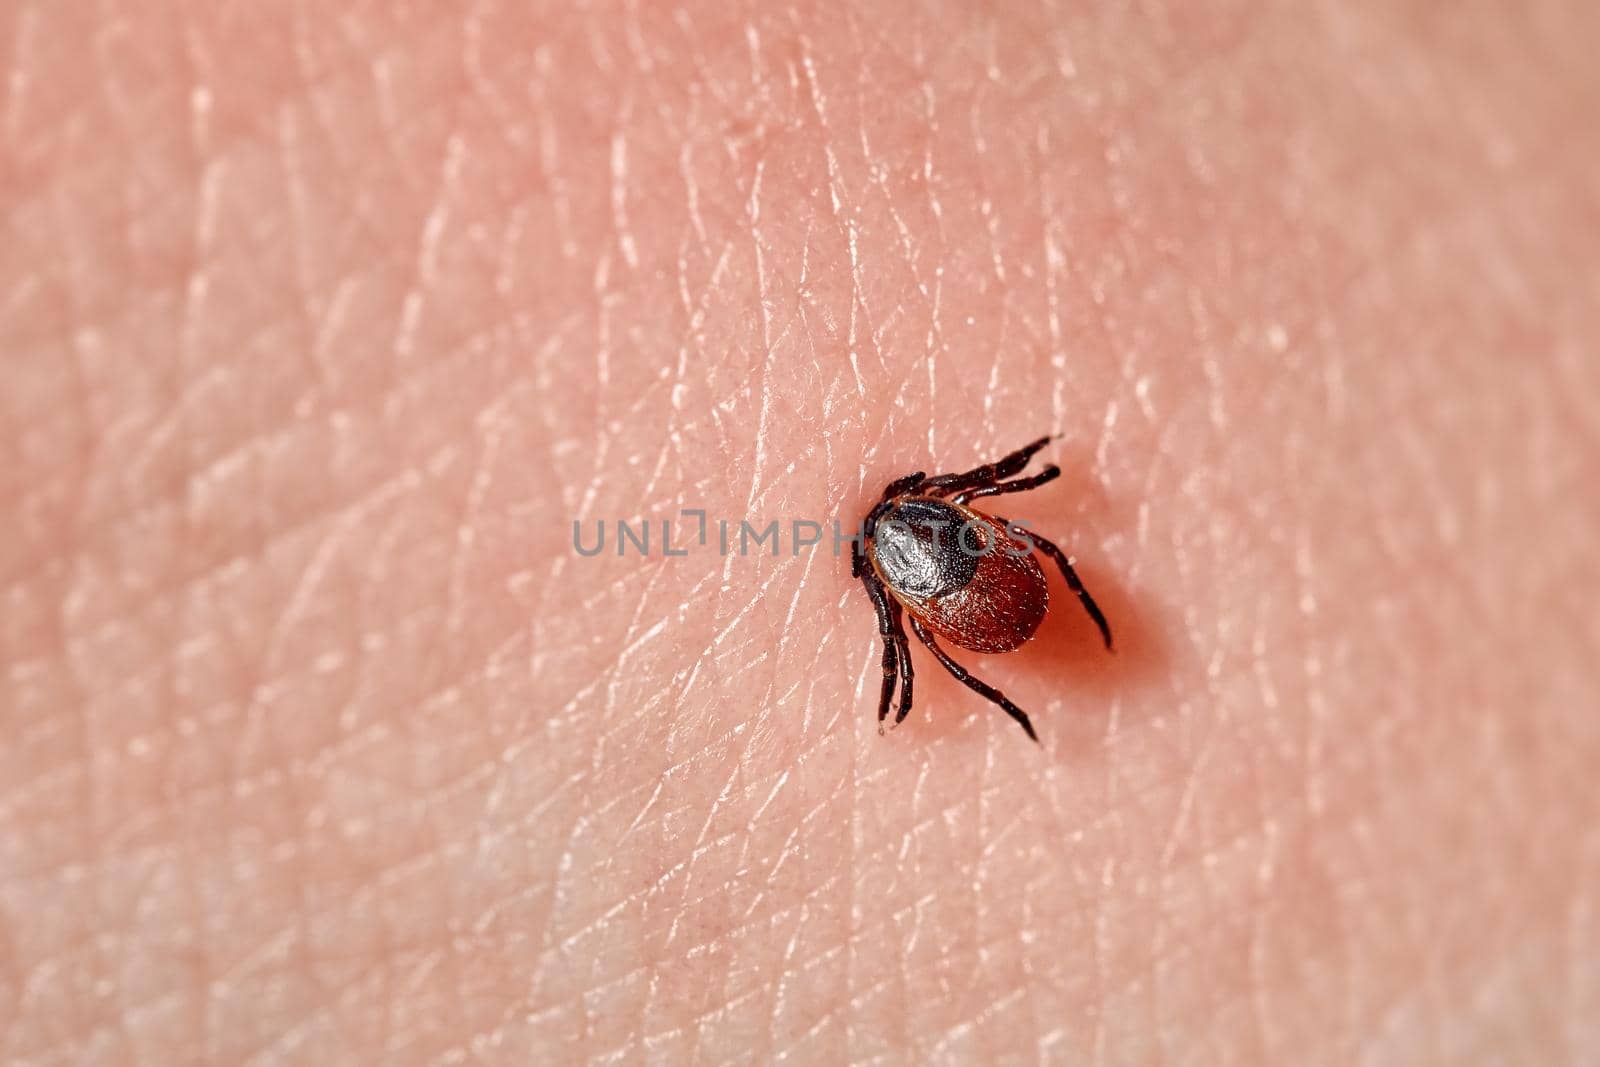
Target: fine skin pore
(322, 745)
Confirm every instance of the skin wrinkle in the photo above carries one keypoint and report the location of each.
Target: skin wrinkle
(400, 480)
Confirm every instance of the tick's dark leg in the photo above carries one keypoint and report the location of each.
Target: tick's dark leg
(903, 485)
(988, 692)
(1021, 485)
(903, 650)
(1073, 583)
(896, 649)
(1005, 467)
(887, 629)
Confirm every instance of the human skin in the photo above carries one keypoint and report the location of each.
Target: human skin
(323, 745)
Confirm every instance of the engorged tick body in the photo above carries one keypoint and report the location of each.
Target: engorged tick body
(959, 573)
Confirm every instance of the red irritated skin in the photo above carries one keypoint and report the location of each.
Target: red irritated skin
(320, 324)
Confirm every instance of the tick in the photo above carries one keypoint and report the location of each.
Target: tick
(964, 575)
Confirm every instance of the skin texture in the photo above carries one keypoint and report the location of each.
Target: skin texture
(321, 744)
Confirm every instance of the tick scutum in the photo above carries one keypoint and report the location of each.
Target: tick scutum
(919, 551)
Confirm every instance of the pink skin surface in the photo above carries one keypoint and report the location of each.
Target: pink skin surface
(321, 327)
